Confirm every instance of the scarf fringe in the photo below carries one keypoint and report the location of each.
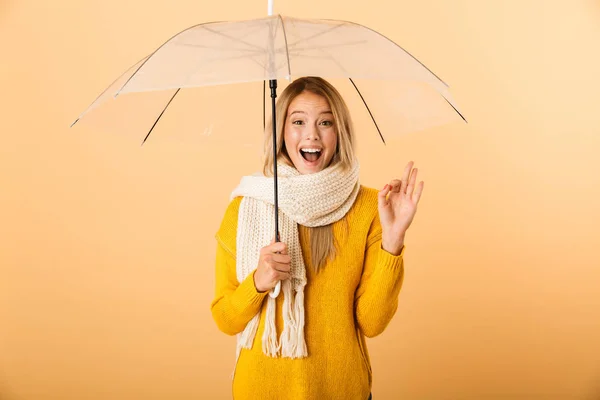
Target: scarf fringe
(270, 343)
(289, 323)
(300, 350)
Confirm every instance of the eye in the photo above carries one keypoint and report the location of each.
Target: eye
(297, 122)
(327, 123)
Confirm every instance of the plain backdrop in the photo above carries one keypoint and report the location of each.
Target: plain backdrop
(107, 247)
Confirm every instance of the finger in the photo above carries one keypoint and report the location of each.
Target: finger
(418, 191)
(275, 266)
(281, 258)
(284, 251)
(277, 273)
(406, 175)
(411, 183)
(282, 276)
(277, 258)
(267, 248)
(286, 268)
(276, 276)
(278, 247)
(396, 185)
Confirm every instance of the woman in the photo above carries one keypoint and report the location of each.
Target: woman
(340, 259)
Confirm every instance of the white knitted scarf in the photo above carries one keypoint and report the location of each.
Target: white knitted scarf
(311, 200)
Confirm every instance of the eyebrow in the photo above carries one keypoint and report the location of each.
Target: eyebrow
(302, 112)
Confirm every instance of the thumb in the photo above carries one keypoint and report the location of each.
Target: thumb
(381, 197)
(274, 240)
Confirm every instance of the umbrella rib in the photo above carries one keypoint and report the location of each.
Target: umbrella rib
(287, 52)
(219, 59)
(219, 48)
(329, 56)
(160, 47)
(236, 57)
(250, 56)
(203, 25)
(328, 46)
(143, 63)
(287, 47)
(257, 50)
(207, 61)
(315, 35)
(458, 112)
(394, 43)
(368, 109)
(101, 94)
(217, 33)
(232, 38)
(294, 53)
(269, 62)
(360, 94)
(161, 114)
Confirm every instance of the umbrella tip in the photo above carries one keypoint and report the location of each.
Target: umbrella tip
(74, 122)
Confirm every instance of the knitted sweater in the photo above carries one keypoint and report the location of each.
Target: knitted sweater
(352, 296)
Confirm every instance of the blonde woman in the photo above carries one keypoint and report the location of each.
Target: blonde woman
(340, 259)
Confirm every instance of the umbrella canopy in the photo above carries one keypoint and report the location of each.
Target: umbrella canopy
(278, 47)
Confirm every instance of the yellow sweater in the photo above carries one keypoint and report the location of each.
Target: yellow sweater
(352, 296)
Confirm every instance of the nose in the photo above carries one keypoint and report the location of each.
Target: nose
(312, 133)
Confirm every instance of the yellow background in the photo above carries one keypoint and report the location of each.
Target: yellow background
(107, 248)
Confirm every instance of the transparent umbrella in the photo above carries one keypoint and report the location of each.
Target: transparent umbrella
(279, 47)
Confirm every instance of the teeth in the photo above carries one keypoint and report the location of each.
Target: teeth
(311, 150)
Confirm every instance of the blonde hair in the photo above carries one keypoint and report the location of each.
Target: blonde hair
(322, 246)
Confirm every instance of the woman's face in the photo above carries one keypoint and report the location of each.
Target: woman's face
(309, 133)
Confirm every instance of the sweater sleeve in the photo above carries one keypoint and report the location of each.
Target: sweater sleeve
(235, 303)
(376, 299)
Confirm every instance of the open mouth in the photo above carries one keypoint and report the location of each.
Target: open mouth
(311, 155)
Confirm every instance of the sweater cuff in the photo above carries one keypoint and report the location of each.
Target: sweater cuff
(248, 293)
(388, 260)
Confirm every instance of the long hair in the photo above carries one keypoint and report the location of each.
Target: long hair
(322, 246)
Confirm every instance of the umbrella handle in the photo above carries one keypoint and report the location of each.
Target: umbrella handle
(275, 292)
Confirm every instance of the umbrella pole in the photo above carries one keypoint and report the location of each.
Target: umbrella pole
(273, 87)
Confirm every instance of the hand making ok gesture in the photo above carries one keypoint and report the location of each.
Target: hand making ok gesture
(396, 211)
